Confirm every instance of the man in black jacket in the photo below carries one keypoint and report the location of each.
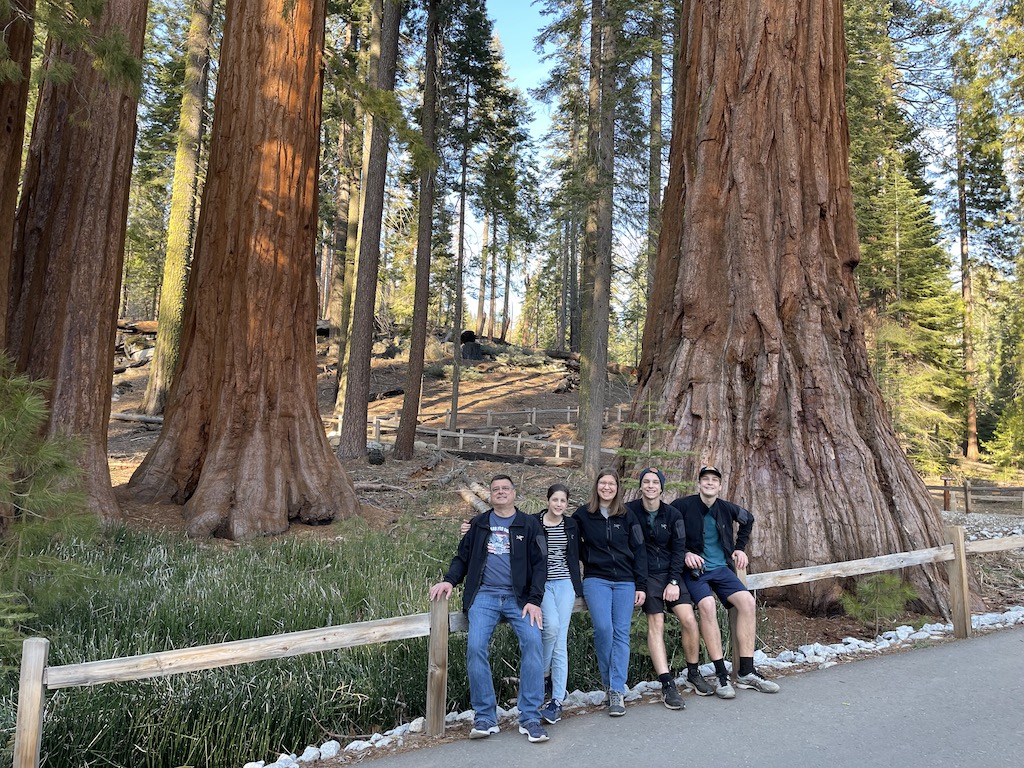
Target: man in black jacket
(713, 551)
(665, 539)
(503, 560)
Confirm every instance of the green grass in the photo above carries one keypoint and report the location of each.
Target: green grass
(125, 592)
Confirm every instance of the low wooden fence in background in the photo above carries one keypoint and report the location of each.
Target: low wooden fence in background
(37, 677)
(996, 498)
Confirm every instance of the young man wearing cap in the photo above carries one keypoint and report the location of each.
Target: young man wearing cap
(665, 539)
(712, 554)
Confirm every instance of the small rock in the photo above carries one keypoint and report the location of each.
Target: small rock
(330, 749)
(358, 746)
(417, 725)
(309, 755)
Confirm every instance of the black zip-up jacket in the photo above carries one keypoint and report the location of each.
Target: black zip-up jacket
(529, 558)
(612, 549)
(572, 552)
(726, 514)
(665, 540)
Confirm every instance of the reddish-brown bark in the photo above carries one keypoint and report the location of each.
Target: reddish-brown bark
(754, 347)
(17, 28)
(69, 244)
(242, 443)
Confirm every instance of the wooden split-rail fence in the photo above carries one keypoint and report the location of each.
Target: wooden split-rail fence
(37, 677)
(968, 496)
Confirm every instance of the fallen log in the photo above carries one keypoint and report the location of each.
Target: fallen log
(501, 458)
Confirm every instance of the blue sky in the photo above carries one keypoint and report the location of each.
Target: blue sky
(516, 23)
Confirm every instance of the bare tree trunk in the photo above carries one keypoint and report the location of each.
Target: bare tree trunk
(492, 257)
(460, 261)
(181, 221)
(242, 443)
(505, 319)
(967, 292)
(563, 289)
(18, 29)
(754, 347)
(485, 249)
(406, 436)
(347, 182)
(601, 241)
(69, 238)
(589, 255)
(353, 424)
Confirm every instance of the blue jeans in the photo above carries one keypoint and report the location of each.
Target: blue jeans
(611, 607)
(559, 596)
(484, 614)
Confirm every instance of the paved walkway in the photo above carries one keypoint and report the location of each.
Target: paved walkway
(960, 703)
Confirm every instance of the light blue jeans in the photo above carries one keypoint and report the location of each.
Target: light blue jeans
(611, 607)
(484, 614)
(559, 596)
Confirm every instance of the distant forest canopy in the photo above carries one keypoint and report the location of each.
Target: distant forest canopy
(934, 105)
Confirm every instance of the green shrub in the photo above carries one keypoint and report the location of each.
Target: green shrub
(878, 598)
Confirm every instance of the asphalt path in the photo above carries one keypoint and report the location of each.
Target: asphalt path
(958, 703)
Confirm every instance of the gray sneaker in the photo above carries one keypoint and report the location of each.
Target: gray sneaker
(724, 690)
(757, 683)
(616, 703)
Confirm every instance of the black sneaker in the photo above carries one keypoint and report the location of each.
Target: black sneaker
(670, 696)
(699, 685)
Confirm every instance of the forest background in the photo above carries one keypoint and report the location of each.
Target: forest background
(138, 155)
(933, 98)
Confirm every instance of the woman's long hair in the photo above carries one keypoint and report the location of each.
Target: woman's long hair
(615, 508)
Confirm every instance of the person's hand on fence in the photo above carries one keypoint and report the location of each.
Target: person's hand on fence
(534, 612)
(441, 589)
(739, 559)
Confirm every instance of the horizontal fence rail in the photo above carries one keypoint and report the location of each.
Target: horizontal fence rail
(1002, 497)
(36, 677)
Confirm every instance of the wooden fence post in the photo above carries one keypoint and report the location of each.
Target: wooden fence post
(959, 591)
(437, 668)
(28, 733)
(967, 496)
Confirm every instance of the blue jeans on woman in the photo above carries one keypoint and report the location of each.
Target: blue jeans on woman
(484, 614)
(611, 607)
(559, 596)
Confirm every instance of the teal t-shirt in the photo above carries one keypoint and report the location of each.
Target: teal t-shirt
(714, 555)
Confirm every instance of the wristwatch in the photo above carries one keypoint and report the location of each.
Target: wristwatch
(674, 582)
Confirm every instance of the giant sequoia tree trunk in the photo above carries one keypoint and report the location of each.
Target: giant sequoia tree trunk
(69, 242)
(242, 441)
(754, 346)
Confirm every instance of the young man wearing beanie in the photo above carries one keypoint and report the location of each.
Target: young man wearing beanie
(665, 540)
(713, 551)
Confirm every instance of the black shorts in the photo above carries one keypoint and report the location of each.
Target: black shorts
(654, 603)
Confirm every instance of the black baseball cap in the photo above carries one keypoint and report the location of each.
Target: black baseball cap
(709, 471)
